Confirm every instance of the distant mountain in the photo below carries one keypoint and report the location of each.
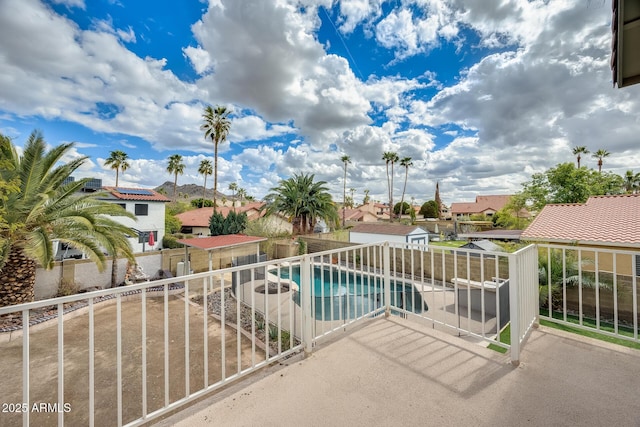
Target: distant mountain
(188, 191)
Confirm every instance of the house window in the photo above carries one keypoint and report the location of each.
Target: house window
(142, 209)
(122, 205)
(638, 265)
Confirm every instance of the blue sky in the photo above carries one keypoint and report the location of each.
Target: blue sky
(479, 94)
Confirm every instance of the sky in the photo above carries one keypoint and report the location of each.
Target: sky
(480, 94)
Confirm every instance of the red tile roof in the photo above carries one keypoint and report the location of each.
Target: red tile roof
(392, 229)
(200, 217)
(217, 242)
(602, 220)
(153, 197)
(482, 204)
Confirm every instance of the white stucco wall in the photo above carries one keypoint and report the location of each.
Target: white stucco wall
(154, 221)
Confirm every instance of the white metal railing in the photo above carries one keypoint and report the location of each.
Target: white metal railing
(153, 347)
(470, 292)
(144, 349)
(593, 289)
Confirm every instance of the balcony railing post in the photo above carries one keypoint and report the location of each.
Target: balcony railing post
(386, 266)
(514, 307)
(306, 295)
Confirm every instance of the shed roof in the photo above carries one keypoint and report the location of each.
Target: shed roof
(602, 220)
(485, 245)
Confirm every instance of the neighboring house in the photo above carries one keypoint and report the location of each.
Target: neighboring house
(196, 221)
(601, 222)
(379, 210)
(358, 215)
(148, 206)
(484, 205)
(393, 233)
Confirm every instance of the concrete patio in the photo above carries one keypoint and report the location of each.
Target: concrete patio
(395, 371)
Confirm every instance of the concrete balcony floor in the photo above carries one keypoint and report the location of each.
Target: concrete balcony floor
(398, 372)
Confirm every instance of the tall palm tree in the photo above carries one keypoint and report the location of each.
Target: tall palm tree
(118, 160)
(345, 160)
(406, 162)
(205, 169)
(600, 154)
(43, 209)
(175, 167)
(631, 182)
(216, 127)
(390, 158)
(580, 149)
(233, 187)
(304, 201)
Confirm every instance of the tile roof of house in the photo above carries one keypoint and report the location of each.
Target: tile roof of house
(352, 214)
(142, 194)
(602, 220)
(200, 217)
(482, 204)
(392, 229)
(217, 242)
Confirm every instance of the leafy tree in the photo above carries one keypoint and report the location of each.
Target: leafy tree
(406, 208)
(303, 201)
(216, 127)
(429, 209)
(564, 183)
(600, 154)
(232, 224)
(406, 162)
(510, 216)
(205, 169)
(345, 160)
(202, 203)
(390, 158)
(118, 161)
(171, 223)
(176, 167)
(578, 150)
(43, 209)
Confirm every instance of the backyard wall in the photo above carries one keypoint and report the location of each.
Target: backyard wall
(85, 275)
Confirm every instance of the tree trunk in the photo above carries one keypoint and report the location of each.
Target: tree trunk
(114, 271)
(17, 278)
(215, 175)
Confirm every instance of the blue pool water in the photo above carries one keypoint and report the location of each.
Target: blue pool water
(345, 295)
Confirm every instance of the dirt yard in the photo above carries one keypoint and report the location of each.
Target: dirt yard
(43, 356)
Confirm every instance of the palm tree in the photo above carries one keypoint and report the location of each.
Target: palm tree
(242, 194)
(175, 167)
(390, 157)
(205, 169)
(580, 149)
(233, 187)
(43, 209)
(366, 196)
(600, 154)
(216, 127)
(631, 182)
(303, 201)
(346, 160)
(118, 161)
(406, 162)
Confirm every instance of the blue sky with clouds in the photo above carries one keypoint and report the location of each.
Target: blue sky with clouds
(479, 94)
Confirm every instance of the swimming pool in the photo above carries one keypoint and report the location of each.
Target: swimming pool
(338, 294)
